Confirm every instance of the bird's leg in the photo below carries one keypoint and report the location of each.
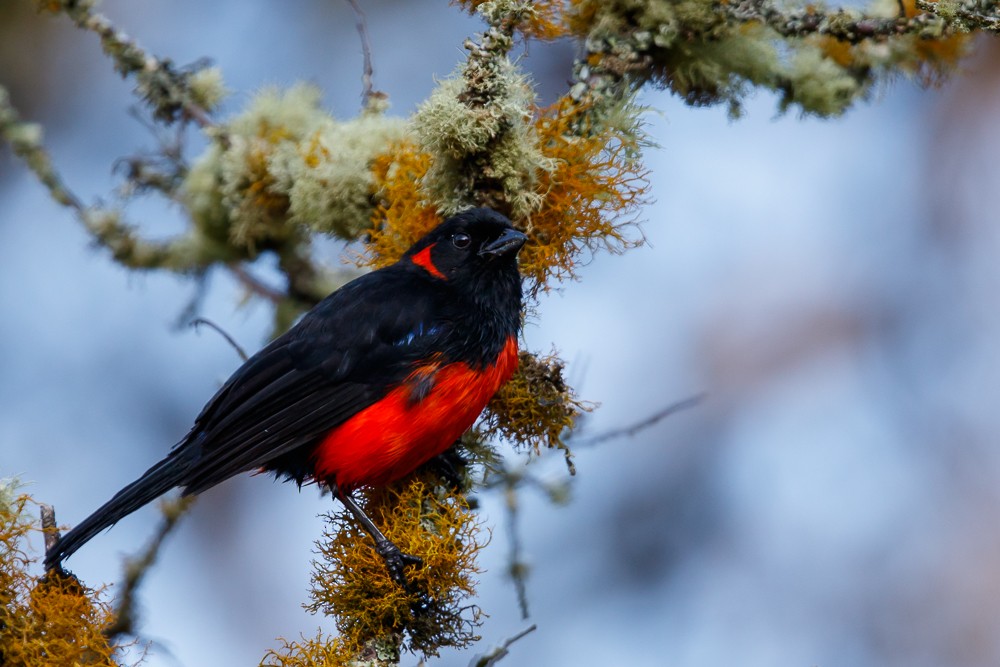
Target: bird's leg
(395, 560)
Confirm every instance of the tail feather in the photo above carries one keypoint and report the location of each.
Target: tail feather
(156, 481)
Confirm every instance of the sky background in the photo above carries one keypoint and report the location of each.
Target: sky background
(831, 285)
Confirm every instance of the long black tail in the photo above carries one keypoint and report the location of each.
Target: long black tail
(156, 481)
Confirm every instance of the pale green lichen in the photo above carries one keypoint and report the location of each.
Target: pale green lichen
(477, 126)
(449, 127)
(286, 163)
(704, 72)
(328, 177)
(819, 84)
(948, 9)
(28, 135)
(694, 48)
(10, 491)
(495, 12)
(207, 87)
(202, 196)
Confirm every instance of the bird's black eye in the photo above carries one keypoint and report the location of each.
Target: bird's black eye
(461, 240)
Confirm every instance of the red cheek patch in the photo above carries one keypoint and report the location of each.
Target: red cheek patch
(424, 261)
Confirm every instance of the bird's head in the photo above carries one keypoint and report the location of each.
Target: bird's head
(469, 246)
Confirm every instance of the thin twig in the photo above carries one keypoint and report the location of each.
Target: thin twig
(500, 651)
(229, 339)
(361, 22)
(251, 282)
(653, 419)
(516, 566)
(164, 87)
(137, 566)
(49, 527)
(104, 225)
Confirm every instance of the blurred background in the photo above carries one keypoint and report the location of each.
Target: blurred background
(831, 285)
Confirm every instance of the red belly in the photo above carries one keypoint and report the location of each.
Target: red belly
(391, 438)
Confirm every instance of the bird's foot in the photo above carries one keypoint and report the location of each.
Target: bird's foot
(396, 561)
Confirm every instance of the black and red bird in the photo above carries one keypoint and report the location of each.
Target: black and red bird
(381, 376)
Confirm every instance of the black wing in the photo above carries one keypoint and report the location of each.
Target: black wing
(343, 356)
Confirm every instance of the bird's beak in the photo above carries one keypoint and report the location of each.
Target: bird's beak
(509, 242)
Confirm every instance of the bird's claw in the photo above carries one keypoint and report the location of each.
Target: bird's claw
(396, 562)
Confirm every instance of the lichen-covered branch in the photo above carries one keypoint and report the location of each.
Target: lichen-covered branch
(50, 620)
(171, 93)
(964, 16)
(105, 225)
(845, 25)
(25, 139)
(376, 617)
(821, 61)
(477, 127)
(139, 565)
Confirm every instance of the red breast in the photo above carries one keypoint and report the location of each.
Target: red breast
(408, 427)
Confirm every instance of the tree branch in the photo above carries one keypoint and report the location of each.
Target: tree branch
(137, 566)
(161, 84)
(25, 139)
(499, 652)
(196, 322)
(642, 425)
(968, 19)
(366, 50)
(252, 283)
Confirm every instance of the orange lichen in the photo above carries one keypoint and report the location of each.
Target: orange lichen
(259, 186)
(318, 651)
(934, 58)
(910, 8)
(581, 16)
(313, 151)
(590, 194)
(544, 20)
(536, 407)
(51, 621)
(52, 6)
(589, 189)
(60, 623)
(350, 580)
(837, 50)
(402, 215)
(929, 58)
(260, 209)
